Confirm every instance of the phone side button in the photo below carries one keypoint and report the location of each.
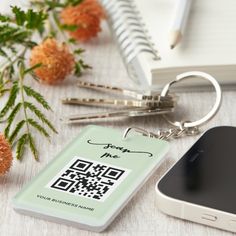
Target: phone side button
(209, 217)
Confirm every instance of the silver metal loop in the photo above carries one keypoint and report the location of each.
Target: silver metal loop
(211, 113)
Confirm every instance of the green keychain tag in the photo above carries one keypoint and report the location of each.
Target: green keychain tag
(92, 179)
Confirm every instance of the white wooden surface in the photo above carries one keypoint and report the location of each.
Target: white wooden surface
(141, 216)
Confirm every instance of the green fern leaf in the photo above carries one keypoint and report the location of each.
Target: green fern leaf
(31, 69)
(37, 126)
(79, 51)
(20, 148)
(4, 54)
(3, 91)
(40, 115)
(73, 2)
(37, 96)
(11, 100)
(30, 18)
(33, 147)
(11, 118)
(16, 131)
(4, 18)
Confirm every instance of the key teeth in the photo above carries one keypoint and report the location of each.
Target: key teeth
(65, 101)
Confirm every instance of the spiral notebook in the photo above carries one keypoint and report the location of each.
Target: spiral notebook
(141, 28)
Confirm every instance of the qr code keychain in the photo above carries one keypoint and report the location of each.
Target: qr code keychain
(94, 177)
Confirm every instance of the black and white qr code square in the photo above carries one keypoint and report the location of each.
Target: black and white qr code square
(88, 178)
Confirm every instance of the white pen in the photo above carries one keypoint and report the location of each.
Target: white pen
(182, 10)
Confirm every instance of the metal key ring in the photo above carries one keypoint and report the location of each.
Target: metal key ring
(212, 112)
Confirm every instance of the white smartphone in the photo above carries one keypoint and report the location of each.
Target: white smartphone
(201, 186)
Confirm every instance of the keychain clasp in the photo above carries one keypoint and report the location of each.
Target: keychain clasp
(183, 127)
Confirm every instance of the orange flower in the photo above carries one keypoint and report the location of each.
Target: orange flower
(87, 16)
(5, 155)
(56, 59)
(92, 7)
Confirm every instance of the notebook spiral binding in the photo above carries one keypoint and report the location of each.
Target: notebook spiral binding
(129, 32)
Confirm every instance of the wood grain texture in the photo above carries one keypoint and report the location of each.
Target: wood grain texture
(140, 216)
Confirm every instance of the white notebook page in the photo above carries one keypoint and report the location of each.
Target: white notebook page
(209, 38)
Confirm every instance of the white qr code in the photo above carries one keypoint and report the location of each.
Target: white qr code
(88, 178)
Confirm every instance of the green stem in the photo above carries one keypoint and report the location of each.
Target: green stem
(55, 22)
(80, 63)
(19, 55)
(21, 84)
(6, 74)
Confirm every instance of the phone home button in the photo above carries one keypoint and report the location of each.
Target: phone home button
(209, 217)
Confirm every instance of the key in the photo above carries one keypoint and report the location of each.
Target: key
(126, 92)
(123, 113)
(124, 103)
(139, 104)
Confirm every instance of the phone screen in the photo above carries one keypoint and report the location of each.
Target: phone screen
(206, 174)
